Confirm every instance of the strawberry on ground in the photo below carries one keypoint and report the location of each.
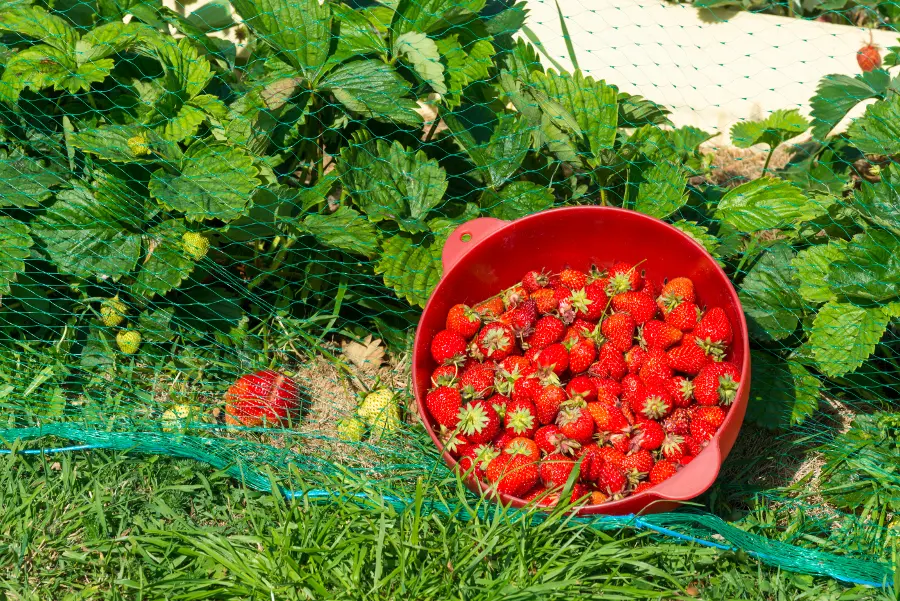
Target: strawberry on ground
(262, 398)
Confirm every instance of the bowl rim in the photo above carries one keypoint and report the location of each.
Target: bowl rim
(646, 497)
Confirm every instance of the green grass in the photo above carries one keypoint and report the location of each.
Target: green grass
(101, 525)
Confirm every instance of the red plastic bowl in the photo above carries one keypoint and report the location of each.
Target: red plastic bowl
(485, 255)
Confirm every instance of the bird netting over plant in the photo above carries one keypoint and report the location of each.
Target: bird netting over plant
(180, 208)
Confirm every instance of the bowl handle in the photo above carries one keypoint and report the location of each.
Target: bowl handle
(465, 237)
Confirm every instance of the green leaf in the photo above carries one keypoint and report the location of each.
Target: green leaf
(769, 295)
(662, 192)
(766, 203)
(389, 182)
(121, 143)
(879, 203)
(186, 71)
(812, 267)
(165, 264)
(99, 348)
(215, 183)
(593, 104)
(517, 199)
(869, 268)
(24, 182)
(777, 128)
(700, 234)
(357, 36)
(183, 125)
(838, 94)
(108, 39)
(509, 20)
(410, 268)
(428, 16)
(91, 235)
(373, 89)
(877, 131)
(498, 157)
(421, 53)
(345, 229)
(782, 394)
(635, 111)
(15, 247)
(156, 326)
(464, 67)
(300, 30)
(844, 335)
(35, 22)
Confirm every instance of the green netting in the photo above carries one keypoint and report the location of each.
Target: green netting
(324, 152)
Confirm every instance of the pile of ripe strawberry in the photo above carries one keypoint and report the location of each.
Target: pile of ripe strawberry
(604, 369)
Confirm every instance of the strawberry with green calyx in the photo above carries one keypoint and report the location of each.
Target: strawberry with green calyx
(112, 311)
(176, 419)
(448, 348)
(687, 357)
(521, 418)
(673, 447)
(581, 329)
(623, 277)
(476, 458)
(264, 398)
(499, 403)
(555, 357)
(611, 479)
(682, 391)
(637, 304)
(675, 292)
(659, 335)
(649, 435)
(713, 415)
(618, 329)
(463, 320)
(496, 341)
(545, 300)
(656, 368)
(589, 302)
(637, 465)
(581, 354)
(452, 441)
(524, 446)
(514, 296)
(555, 469)
(662, 471)
(608, 418)
(491, 308)
(195, 245)
(684, 317)
(444, 404)
(548, 402)
(128, 341)
(478, 422)
(656, 402)
(575, 421)
(445, 375)
(582, 386)
(477, 381)
(535, 280)
(717, 383)
(713, 333)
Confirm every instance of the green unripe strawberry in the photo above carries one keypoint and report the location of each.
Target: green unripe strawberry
(138, 145)
(375, 404)
(351, 429)
(128, 341)
(112, 311)
(195, 244)
(176, 418)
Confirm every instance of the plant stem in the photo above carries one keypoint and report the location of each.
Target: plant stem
(279, 258)
(603, 200)
(768, 160)
(431, 130)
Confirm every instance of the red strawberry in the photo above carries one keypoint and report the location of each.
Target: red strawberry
(693, 445)
(678, 423)
(463, 320)
(444, 404)
(717, 383)
(714, 415)
(503, 439)
(453, 442)
(521, 318)
(649, 436)
(624, 277)
(682, 391)
(655, 369)
(619, 330)
(637, 464)
(545, 300)
(635, 358)
(591, 460)
(589, 302)
(493, 307)
(713, 334)
(526, 447)
(608, 418)
(673, 447)
(686, 459)
(581, 329)
(535, 280)
(499, 403)
(547, 403)
(512, 475)
(479, 422)
(684, 316)
(702, 431)
(496, 341)
(514, 296)
(516, 365)
(675, 292)
(448, 347)
(868, 57)
(262, 398)
(641, 487)
(637, 304)
(656, 402)
(573, 279)
(554, 356)
(598, 498)
(521, 418)
(547, 330)
(555, 469)
(611, 479)
(662, 471)
(659, 335)
(608, 387)
(687, 357)
(576, 423)
(549, 439)
(477, 381)
(527, 389)
(582, 386)
(478, 457)
(581, 354)
(445, 375)
(632, 388)
(650, 288)
(610, 363)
